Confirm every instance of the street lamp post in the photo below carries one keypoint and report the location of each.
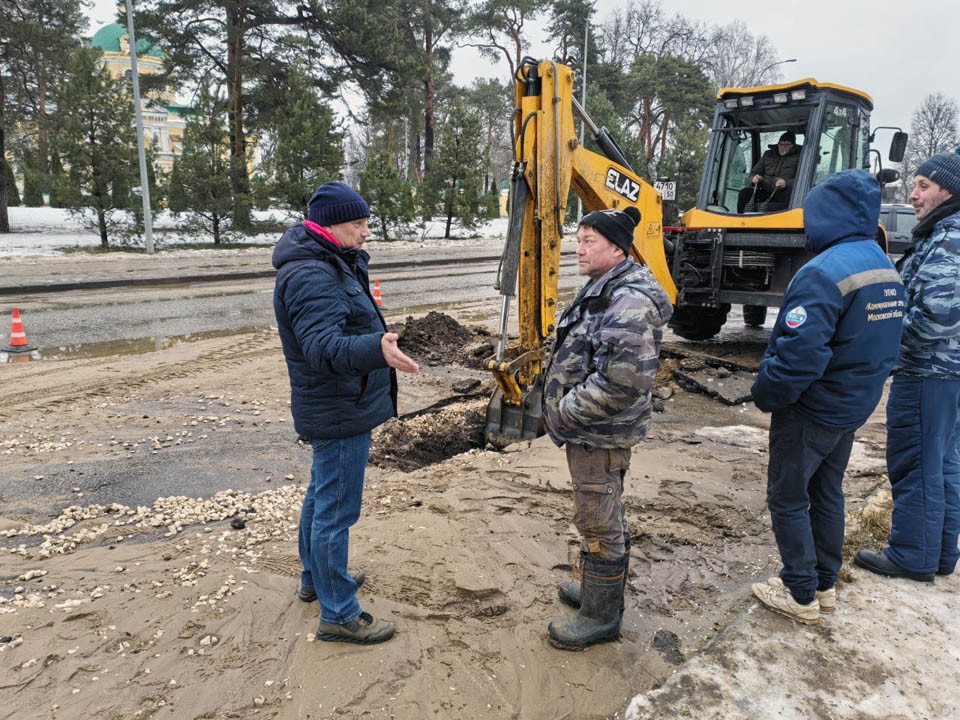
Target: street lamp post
(144, 178)
(773, 65)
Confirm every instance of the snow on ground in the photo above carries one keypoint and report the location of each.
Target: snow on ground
(47, 231)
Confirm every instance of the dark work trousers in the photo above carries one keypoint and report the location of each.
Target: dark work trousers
(598, 510)
(805, 496)
(779, 195)
(923, 458)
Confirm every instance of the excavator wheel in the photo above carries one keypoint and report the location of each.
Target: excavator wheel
(698, 323)
(754, 315)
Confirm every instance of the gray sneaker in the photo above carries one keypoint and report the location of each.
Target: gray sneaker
(780, 600)
(363, 630)
(826, 598)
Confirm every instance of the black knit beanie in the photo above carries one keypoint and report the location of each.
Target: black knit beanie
(333, 203)
(944, 170)
(615, 225)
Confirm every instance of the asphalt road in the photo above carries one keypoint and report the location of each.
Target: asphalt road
(132, 306)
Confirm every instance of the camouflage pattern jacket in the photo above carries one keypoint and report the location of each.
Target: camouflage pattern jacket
(930, 344)
(598, 385)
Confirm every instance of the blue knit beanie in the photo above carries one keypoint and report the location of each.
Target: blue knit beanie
(333, 203)
(944, 170)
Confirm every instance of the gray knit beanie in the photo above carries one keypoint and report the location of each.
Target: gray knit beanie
(615, 225)
(944, 170)
(333, 203)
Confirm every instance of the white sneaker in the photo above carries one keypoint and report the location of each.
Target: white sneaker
(780, 600)
(826, 598)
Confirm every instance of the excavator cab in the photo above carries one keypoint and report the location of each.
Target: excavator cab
(741, 244)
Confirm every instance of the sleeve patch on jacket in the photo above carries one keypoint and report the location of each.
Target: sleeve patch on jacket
(795, 317)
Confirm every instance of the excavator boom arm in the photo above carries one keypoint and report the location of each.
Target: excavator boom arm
(548, 162)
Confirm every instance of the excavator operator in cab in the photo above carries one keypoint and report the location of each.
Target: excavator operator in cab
(772, 177)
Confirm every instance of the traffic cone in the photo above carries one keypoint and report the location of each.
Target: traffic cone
(376, 294)
(18, 338)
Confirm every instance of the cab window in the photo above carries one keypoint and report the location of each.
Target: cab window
(841, 144)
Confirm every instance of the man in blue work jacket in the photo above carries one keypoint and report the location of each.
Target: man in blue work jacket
(833, 346)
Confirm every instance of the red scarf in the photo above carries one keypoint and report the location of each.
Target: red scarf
(321, 231)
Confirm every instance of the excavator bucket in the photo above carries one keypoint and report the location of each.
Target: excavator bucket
(508, 423)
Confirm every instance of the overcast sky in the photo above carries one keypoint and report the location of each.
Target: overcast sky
(897, 52)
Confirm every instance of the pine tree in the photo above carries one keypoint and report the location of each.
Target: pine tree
(36, 37)
(32, 191)
(244, 47)
(200, 184)
(94, 139)
(389, 195)
(684, 165)
(455, 182)
(56, 180)
(10, 185)
(309, 148)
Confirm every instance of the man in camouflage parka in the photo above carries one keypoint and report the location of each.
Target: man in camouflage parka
(923, 411)
(597, 402)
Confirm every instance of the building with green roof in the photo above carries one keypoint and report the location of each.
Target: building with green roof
(164, 119)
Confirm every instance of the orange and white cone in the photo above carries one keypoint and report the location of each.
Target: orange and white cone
(376, 294)
(18, 338)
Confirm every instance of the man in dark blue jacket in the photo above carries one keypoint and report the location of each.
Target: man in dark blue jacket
(831, 350)
(341, 363)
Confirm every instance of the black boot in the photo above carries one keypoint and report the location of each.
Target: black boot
(599, 618)
(569, 591)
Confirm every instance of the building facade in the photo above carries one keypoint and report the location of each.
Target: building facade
(164, 120)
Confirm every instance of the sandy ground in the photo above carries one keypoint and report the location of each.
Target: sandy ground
(181, 608)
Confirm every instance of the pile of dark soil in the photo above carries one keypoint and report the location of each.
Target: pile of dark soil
(438, 339)
(430, 436)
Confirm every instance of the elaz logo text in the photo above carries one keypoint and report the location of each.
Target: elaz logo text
(622, 185)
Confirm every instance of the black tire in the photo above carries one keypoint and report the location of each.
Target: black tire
(698, 323)
(754, 315)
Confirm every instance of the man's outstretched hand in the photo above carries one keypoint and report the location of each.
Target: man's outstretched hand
(394, 356)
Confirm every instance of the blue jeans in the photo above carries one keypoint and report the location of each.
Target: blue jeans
(805, 496)
(923, 442)
(330, 507)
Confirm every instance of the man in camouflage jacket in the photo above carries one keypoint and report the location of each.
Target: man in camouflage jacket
(923, 411)
(597, 402)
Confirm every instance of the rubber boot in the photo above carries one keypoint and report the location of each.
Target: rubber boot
(598, 620)
(569, 591)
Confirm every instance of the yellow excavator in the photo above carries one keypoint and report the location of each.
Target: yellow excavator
(721, 254)
(548, 161)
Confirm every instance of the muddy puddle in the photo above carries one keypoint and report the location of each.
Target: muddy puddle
(136, 346)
